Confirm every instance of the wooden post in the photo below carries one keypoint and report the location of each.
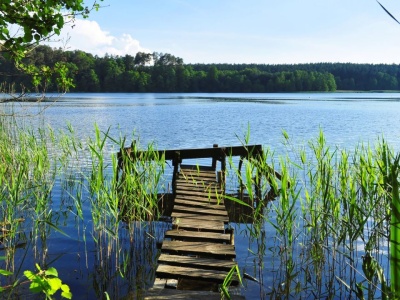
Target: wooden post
(214, 159)
(223, 166)
(175, 162)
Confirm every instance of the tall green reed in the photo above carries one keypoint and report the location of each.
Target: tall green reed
(332, 222)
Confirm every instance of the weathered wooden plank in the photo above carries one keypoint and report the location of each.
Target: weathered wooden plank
(197, 262)
(198, 199)
(205, 217)
(197, 182)
(205, 194)
(217, 250)
(201, 183)
(198, 167)
(198, 236)
(194, 216)
(198, 225)
(197, 177)
(199, 187)
(176, 272)
(200, 204)
(197, 170)
(168, 294)
(217, 152)
(208, 210)
(190, 177)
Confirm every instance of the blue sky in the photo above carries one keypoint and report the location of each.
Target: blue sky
(238, 31)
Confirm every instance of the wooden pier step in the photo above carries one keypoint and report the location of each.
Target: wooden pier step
(199, 225)
(205, 210)
(195, 273)
(198, 252)
(193, 262)
(203, 249)
(160, 292)
(198, 236)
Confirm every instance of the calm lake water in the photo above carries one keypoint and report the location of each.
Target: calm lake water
(200, 120)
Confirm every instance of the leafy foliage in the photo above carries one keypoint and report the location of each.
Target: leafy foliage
(24, 24)
(35, 20)
(47, 281)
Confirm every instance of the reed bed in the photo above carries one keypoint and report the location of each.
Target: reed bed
(333, 224)
(326, 227)
(55, 185)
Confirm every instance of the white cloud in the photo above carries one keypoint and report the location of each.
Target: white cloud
(86, 35)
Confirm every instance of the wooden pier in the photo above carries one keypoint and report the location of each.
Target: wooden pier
(198, 252)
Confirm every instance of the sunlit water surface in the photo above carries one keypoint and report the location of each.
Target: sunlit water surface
(174, 121)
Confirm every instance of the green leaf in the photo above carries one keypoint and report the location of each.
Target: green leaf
(66, 292)
(55, 285)
(35, 287)
(29, 274)
(55, 228)
(51, 272)
(5, 272)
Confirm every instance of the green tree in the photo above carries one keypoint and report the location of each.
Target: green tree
(36, 20)
(25, 23)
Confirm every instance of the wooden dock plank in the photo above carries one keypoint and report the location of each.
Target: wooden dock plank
(199, 225)
(200, 199)
(194, 216)
(199, 188)
(194, 262)
(201, 210)
(203, 249)
(195, 172)
(198, 236)
(192, 177)
(201, 182)
(203, 194)
(168, 294)
(176, 272)
(199, 204)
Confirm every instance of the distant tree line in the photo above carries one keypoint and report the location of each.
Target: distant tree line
(163, 72)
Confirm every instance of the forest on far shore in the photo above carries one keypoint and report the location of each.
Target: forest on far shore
(163, 72)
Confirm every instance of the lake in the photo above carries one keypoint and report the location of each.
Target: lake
(199, 120)
(174, 121)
